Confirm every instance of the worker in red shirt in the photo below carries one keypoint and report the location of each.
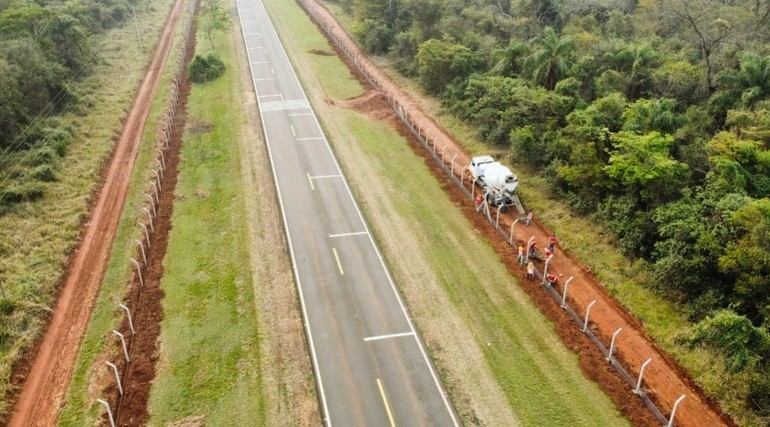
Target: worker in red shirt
(552, 242)
(552, 279)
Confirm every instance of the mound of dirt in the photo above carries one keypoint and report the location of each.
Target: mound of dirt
(373, 104)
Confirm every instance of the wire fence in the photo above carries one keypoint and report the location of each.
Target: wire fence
(149, 213)
(453, 163)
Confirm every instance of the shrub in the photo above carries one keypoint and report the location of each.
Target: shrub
(206, 68)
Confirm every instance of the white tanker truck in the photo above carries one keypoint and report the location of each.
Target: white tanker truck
(496, 180)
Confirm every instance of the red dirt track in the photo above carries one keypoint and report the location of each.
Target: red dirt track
(664, 379)
(50, 373)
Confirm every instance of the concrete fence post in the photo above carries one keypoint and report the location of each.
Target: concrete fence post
(117, 376)
(612, 344)
(146, 233)
(588, 313)
(545, 268)
(139, 271)
(141, 246)
(162, 158)
(109, 411)
(529, 245)
(566, 287)
(511, 233)
(641, 375)
(128, 315)
(673, 411)
(152, 227)
(453, 164)
(123, 344)
(152, 205)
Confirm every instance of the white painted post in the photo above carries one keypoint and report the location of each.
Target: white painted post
(109, 411)
(117, 376)
(473, 188)
(162, 158)
(138, 270)
(545, 269)
(141, 246)
(641, 374)
(152, 204)
(160, 166)
(612, 344)
(453, 164)
(566, 287)
(146, 232)
(512, 224)
(123, 343)
(442, 152)
(157, 193)
(673, 411)
(158, 176)
(497, 217)
(128, 315)
(588, 313)
(529, 244)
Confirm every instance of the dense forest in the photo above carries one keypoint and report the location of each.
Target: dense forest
(45, 46)
(650, 116)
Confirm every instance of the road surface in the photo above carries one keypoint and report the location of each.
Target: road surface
(370, 365)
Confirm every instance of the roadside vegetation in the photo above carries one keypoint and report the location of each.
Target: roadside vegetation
(646, 124)
(211, 357)
(68, 135)
(498, 355)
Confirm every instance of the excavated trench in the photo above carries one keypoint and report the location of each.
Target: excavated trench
(137, 375)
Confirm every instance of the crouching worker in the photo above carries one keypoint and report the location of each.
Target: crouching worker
(552, 279)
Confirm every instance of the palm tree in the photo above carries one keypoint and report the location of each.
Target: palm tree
(510, 60)
(747, 85)
(551, 59)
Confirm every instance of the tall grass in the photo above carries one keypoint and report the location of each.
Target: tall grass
(36, 237)
(79, 407)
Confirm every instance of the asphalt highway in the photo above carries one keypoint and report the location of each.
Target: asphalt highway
(370, 365)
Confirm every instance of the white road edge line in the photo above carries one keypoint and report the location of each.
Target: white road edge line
(357, 233)
(322, 393)
(383, 337)
(293, 132)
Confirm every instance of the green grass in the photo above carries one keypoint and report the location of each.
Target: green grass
(210, 361)
(36, 237)
(592, 245)
(428, 242)
(79, 407)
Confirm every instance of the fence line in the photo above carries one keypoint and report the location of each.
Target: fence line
(139, 261)
(413, 118)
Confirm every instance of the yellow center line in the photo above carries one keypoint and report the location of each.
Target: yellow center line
(339, 264)
(311, 181)
(385, 401)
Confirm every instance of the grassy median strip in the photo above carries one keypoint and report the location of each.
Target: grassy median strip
(79, 406)
(499, 357)
(210, 336)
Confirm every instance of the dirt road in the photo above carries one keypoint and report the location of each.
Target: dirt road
(664, 379)
(51, 371)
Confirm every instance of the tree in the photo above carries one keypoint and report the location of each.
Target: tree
(213, 18)
(743, 343)
(551, 58)
(644, 166)
(439, 62)
(748, 85)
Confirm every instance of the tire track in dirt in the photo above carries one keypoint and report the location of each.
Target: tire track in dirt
(51, 371)
(664, 380)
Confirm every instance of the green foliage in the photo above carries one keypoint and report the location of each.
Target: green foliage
(213, 18)
(744, 344)
(206, 68)
(551, 58)
(440, 62)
